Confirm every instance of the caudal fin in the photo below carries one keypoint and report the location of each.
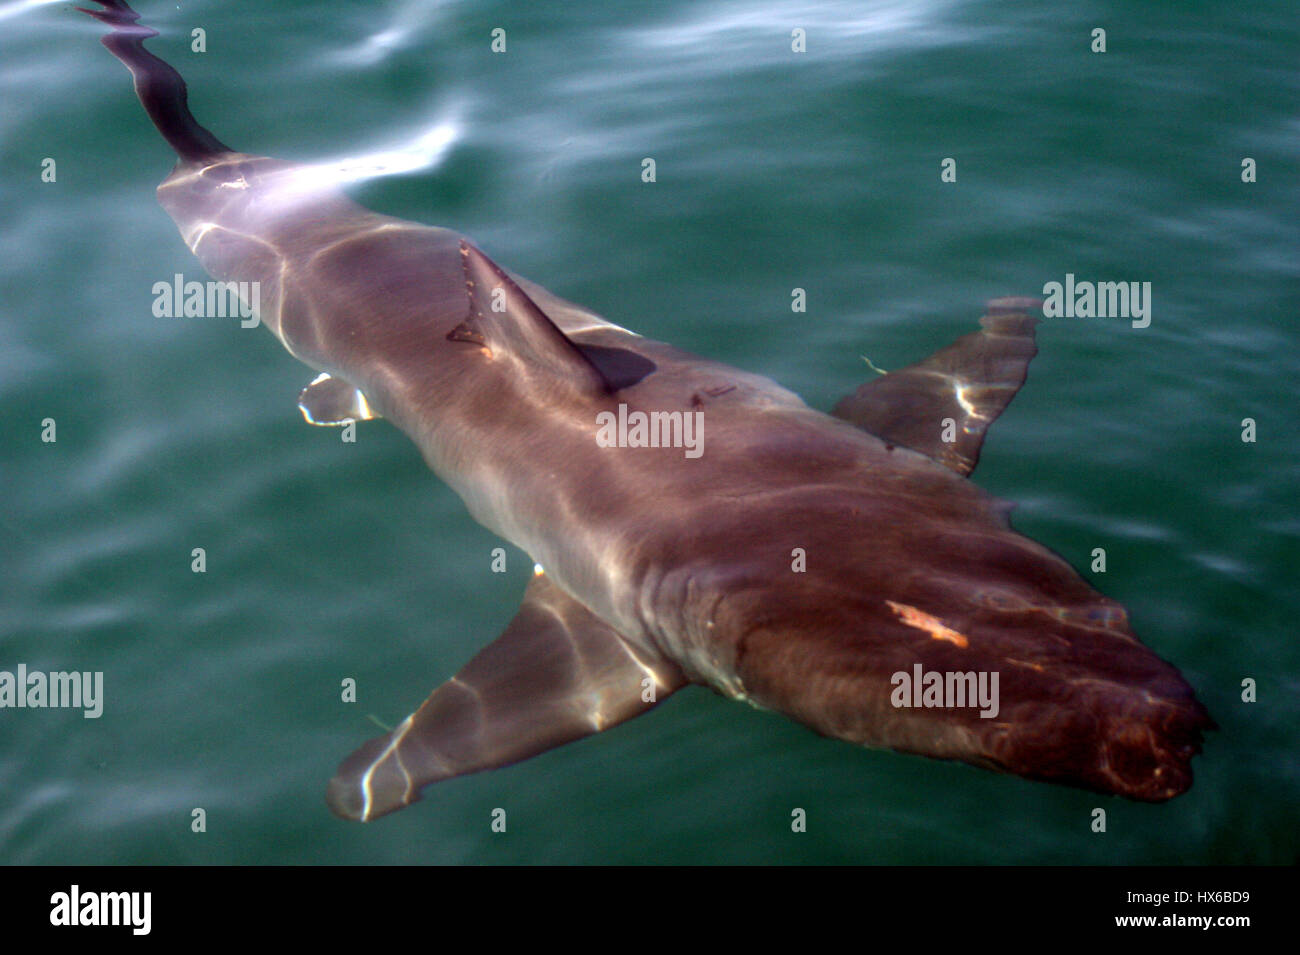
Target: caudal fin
(159, 86)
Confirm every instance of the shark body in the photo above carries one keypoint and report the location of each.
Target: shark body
(801, 562)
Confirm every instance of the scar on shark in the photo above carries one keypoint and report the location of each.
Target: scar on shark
(799, 562)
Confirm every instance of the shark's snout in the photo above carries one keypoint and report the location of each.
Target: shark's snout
(1119, 741)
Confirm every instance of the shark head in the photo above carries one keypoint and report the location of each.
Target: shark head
(959, 639)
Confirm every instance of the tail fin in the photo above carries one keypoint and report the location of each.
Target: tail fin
(159, 86)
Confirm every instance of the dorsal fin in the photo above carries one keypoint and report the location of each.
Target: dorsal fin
(508, 323)
(970, 382)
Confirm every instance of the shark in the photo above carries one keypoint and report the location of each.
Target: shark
(840, 569)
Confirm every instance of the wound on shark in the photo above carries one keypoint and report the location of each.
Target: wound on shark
(657, 570)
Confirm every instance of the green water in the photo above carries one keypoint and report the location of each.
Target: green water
(775, 170)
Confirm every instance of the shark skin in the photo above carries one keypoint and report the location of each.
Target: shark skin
(801, 562)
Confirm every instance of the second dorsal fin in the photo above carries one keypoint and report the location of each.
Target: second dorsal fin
(943, 405)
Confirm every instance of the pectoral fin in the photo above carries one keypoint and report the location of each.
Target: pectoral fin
(557, 674)
(943, 405)
(330, 401)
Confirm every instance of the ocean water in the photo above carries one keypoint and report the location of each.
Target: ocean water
(775, 170)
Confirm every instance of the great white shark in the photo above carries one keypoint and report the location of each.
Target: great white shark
(837, 568)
